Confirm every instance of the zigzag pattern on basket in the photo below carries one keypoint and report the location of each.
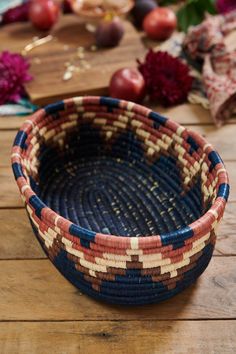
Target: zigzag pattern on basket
(129, 185)
(83, 151)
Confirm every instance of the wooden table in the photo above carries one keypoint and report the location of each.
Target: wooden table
(41, 312)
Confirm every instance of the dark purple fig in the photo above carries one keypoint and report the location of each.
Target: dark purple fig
(109, 32)
(141, 9)
(66, 7)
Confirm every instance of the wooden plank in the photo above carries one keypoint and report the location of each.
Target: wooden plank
(226, 240)
(222, 139)
(185, 114)
(35, 290)
(10, 197)
(19, 241)
(181, 337)
(6, 139)
(11, 122)
(9, 192)
(69, 34)
(231, 169)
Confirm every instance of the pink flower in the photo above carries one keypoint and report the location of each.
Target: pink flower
(13, 74)
(224, 6)
(167, 78)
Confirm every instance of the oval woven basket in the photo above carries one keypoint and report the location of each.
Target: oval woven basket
(124, 201)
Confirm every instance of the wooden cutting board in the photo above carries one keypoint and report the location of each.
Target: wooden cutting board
(48, 62)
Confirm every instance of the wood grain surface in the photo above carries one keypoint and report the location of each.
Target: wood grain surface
(17, 233)
(226, 146)
(48, 60)
(185, 114)
(40, 311)
(12, 198)
(118, 337)
(33, 290)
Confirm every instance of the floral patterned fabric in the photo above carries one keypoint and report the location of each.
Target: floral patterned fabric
(207, 42)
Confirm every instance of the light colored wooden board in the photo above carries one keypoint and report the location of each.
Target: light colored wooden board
(231, 168)
(6, 142)
(10, 197)
(186, 114)
(69, 34)
(19, 242)
(223, 140)
(11, 122)
(104, 337)
(226, 240)
(9, 192)
(35, 290)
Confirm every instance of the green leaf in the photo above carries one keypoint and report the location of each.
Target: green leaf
(206, 6)
(188, 16)
(167, 2)
(193, 12)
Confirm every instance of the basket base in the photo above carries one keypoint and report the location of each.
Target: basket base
(131, 295)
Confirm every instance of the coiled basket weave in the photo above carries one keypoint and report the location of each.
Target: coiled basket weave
(124, 201)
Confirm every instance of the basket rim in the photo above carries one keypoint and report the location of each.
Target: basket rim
(200, 226)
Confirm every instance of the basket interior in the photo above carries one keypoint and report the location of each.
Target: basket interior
(114, 172)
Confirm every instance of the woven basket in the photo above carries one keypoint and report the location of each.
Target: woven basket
(91, 168)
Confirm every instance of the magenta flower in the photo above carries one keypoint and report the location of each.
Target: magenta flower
(16, 14)
(224, 6)
(13, 74)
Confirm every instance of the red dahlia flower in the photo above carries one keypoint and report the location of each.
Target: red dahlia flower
(167, 78)
(13, 74)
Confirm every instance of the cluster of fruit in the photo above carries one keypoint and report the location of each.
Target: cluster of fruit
(42, 13)
(158, 22)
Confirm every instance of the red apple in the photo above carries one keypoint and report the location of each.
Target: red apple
(43, 13)
(127, 84)
(160, 23)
